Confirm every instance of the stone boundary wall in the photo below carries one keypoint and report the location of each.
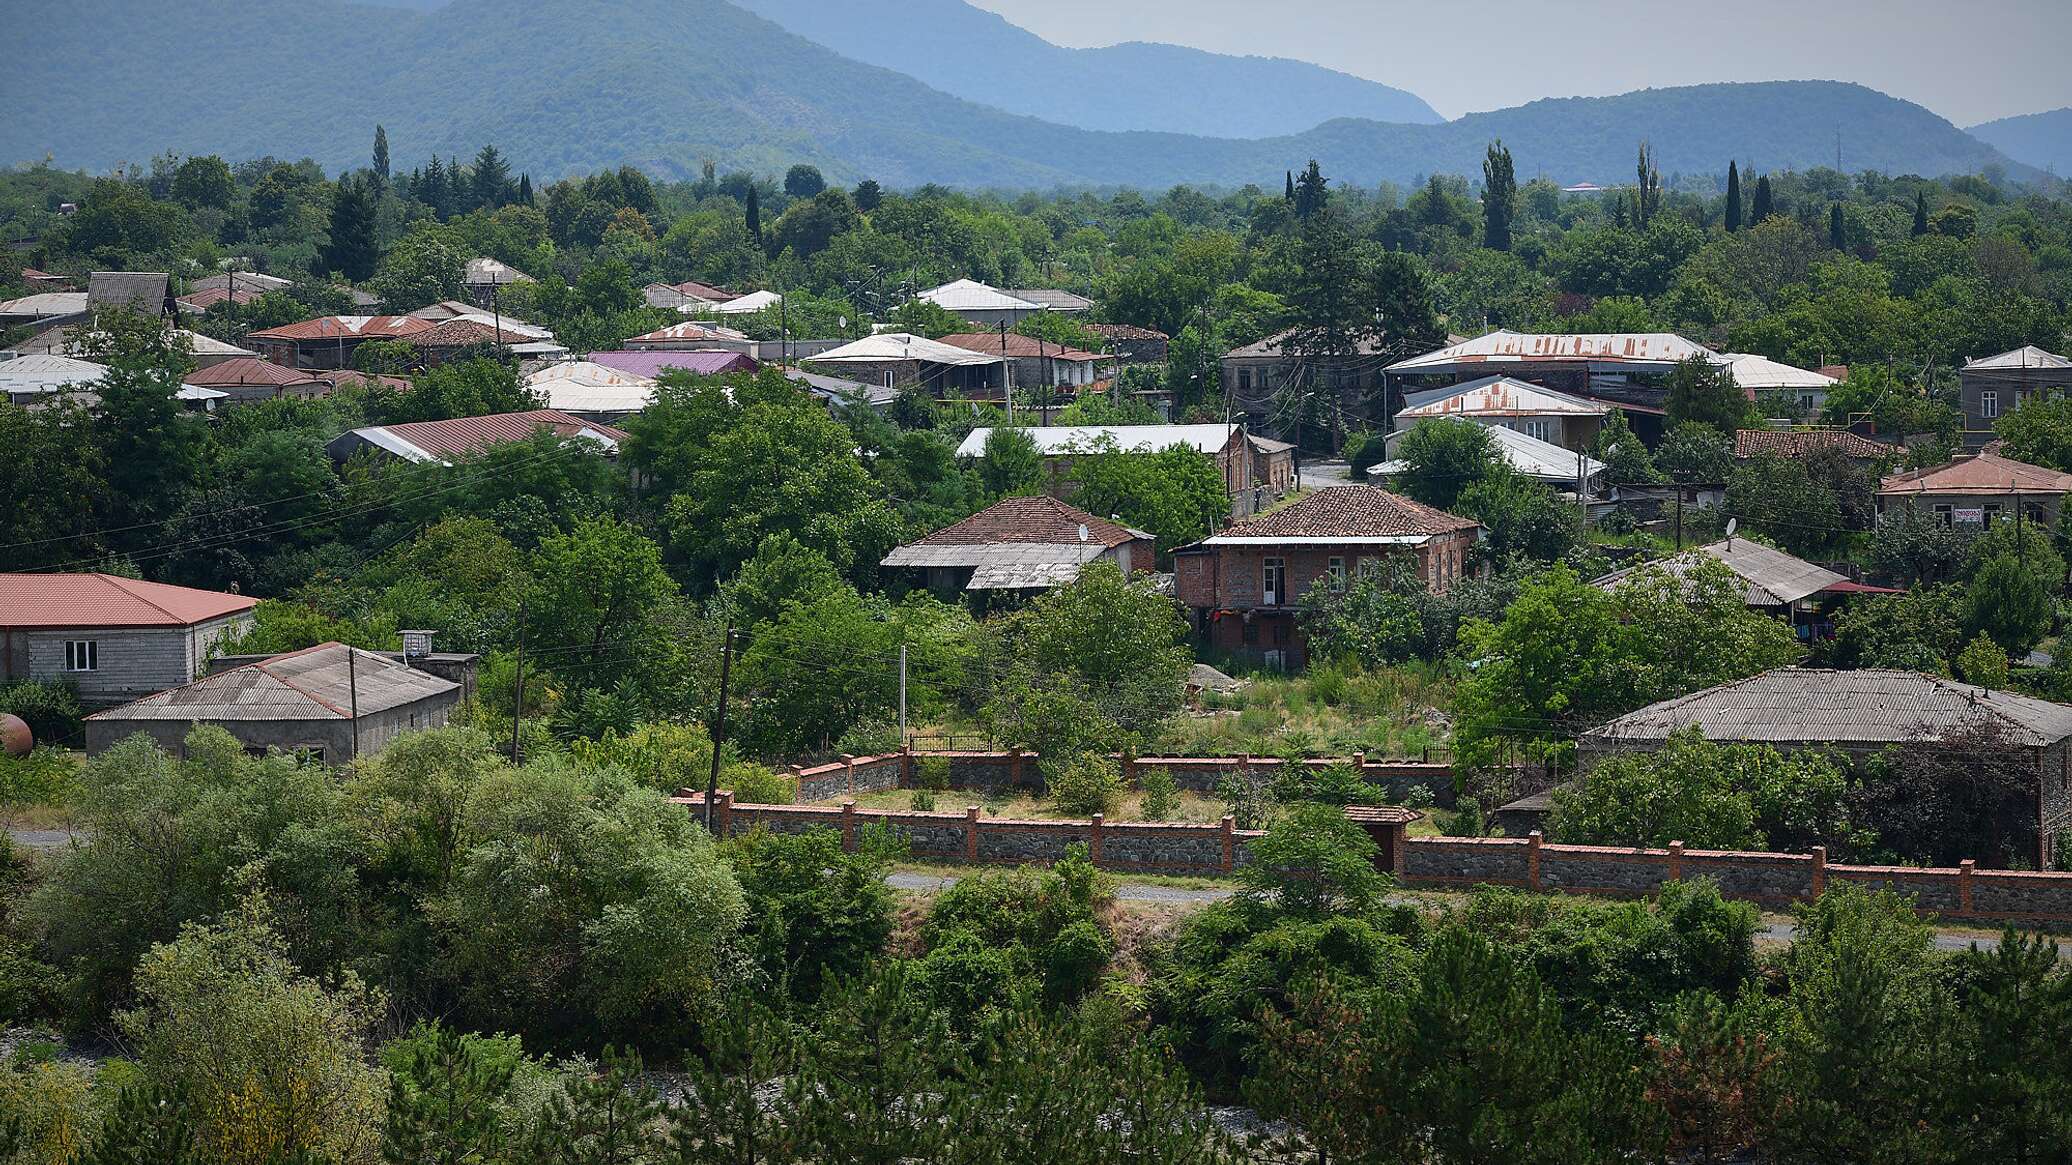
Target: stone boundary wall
(1016, 769)
(1965, 893)
(969, 836)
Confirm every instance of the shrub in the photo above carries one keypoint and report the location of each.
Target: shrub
(1161, 794)
(922, 801)
(870, 736)
(1313, 862)
(47, 776)
(1248, 797)
(755, 784)
(51, 710)
(932, 772)
(1419, 797)
(814, 912)
(1466, 820)
(1088, 784)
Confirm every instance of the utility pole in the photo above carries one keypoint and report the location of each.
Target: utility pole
(902, 695)
(352, 686)
(1679, 517)
(719, 722)
(1006, 372)
(518, 696)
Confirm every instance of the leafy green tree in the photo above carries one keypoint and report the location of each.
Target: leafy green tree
(2016, 1012)
(381, 155)
(782, 573)
(1116, 636)
(594, 588)
(1765, 203)
(1442, 459)
(1625, 456)
(2009, 603)
(2039, 431)
(927, 318)
(1177, 493)
(1499, 197)
(1011, 464)
(1708, 796)
(150, 444)
(1778, 498)
(489, 180)
(1700, 392)
(446, 1092)
(204, 181)
(815, 913)
(1915, 547)
(1733, 211)
(151, 1122)
(1313, 863)
(425, 266)
(1368, 621)
(610, 1117)
(1917, 631)
(803, 181)
(352, 251)
(820, 668)
(57, 481)
(1523, 517)
(1984, 663)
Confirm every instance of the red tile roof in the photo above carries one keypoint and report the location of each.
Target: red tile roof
(706, 291)
(104, 600)
(1986, 474)
(1125, 332)
(247, 370)
(347, 328)
(1019, 347)
(1039, 520)
(1351, 511)
(465, 333)
(1804, 443)
(462, 435)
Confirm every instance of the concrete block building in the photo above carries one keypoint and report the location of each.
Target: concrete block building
(113, 639)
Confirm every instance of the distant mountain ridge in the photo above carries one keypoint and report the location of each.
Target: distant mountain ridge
(980, 56)
(2042, 140)
(568, 86)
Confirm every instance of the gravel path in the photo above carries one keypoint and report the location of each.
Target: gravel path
(44, 839)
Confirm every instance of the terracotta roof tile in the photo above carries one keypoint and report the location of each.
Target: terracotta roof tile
(347, 328)
(1350, 511)
(104, 600)
(1037, 520)
(1804, 443)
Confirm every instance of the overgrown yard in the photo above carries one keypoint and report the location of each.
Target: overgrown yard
(1399, 712)
(1198, 808)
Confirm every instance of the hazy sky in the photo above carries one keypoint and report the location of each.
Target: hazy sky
(1969, 60)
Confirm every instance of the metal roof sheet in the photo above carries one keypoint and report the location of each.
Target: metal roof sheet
(1868, 707)
(1502, 396)
(971, 295)
(1773, 578)
(653, 363)
(25, 374)
(1762, 374)
(45, 304)
(754, 301)
(1985, 474)
(104, 600)
(326, 682)
(1537, 459)
(1052, 440)
(1660, 349)
(896, 347)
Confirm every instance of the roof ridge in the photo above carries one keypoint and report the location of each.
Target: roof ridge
(263, 667)
(121, 584)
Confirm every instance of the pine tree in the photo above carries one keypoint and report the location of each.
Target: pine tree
(1647, 191)
(431, 190)
(445, 1101)
(490, 185)
(754, 216)
(381, 155)
(608, 1116)
(524, 190)
(1837, 229)
(352, 251)
(1764, 205)
(151, 1125)
(1733, 197)
(1920, 213)
(1499, 197)
(1312, 191)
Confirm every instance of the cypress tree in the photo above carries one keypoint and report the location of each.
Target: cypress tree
(1499, 197)
(1291, 186)
(1647, 190)
(1837, 232)
(1920, 213)
(490, 185)
(755, 215)
(381, 154)
(1733, 197)
(1313, 192)
(1764, 206)
(525, 190)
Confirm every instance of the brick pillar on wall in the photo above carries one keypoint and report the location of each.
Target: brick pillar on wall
(848, 773)
(1093, 839)
(971, 834)
(1964, 872)
(849, 827)
(1676, 851)
(1399, 848)
(797, 787)
(1129, 770)
(723, 814)
(1229, 842)
(1014, 767)
(1533, 841)
(1819, 870)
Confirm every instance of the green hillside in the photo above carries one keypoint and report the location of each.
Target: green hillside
(572, 85)
(2042, 140)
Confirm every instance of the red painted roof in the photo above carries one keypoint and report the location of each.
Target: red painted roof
(247, 370)
(347, 328)
(1018, 347)
(104, 600)
(465, 434)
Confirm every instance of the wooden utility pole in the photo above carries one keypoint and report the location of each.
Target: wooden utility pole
(719, 723)
(518, 696)
(352, 686)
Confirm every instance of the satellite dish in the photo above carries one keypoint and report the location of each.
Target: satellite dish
(1733, 524)
(1084, 535)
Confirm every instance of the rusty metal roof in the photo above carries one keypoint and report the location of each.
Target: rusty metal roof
(326, 682)
(1502, 396)
(346, 328)
(1657, 349)
(1984, 474)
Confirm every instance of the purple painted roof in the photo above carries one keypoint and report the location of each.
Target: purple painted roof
(651, 364)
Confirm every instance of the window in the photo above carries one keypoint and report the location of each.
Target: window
(1336, 569)
(1945, 515)
(1537, 430)
(1369, 567)
(1275, 574)
(1244, 380)
(1249, 632)
(82, 655)
(1992, 510)
(1989, 404)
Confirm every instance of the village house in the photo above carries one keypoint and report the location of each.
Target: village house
(1544, 414)
(1019, 545)
(1544, 462)
(1773, 582)
(1864, 713)
(744, 305)
(1255, 376)
(1245, 587)
(1037, 362)
(592, 391)
(1247, 463)
(988, 307)
(653, 362)
(1760, 375)
(692, 336)
(1992, 387)
(1623, 369)
(450, 440)
(1978, 488)
(330, 341)
(111, 638)
(484, 277)
(249, 378)
(941, 370)
(1133, 345)
(1750, 444)
(331, 703)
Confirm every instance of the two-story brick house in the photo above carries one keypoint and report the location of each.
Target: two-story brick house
(114, 639)
(1245, 587)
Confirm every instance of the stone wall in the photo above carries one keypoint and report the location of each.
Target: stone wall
(970, 836)
(1015, 769)
(1772, 880)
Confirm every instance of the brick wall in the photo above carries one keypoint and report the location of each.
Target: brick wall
(970, 836)
(1771, 880)
(850, 775)
(1016, 769)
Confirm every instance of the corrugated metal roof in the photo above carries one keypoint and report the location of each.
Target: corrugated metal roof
(248, 370)
(652, 364)
(1773, 578)
(1869, 707)
(347, 328)
(584, 386)
(1502, 396)
(1052, 299)
(39, 374)
(45, 304)
(754, 301)
(104, 600)
(688, 332)
(142, 291)
(326, 682)
(487, 272)
(1985, 474)
(1762, 374)
(1660, 349)
(1052, 440)
(1037, 521)
(896, 347)
(971, 295)
(1537, 459)
(1021, 347)
(440, 440)
(2021, 359)
(1023, 577)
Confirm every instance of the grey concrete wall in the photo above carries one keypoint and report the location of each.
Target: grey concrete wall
(332, 738)
(133, 661)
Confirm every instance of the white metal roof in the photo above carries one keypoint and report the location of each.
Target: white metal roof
(1517, 349)
(1537, 459)
(45, 304)
(2018, 360)
(754, 301)
(971, 295)
(47, 373)
(1054, 439)
(485, 272)
(1501, 396)
(582, 386)
(889, 347)
(1761, 374)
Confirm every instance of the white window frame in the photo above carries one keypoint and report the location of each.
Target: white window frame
(1540, 430)
(1270, 571)
(1335, 567)
(1988, 404)
(82, 655)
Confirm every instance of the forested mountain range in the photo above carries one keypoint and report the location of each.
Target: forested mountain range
(2042, 140)
(566, 86)
(971, 53)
